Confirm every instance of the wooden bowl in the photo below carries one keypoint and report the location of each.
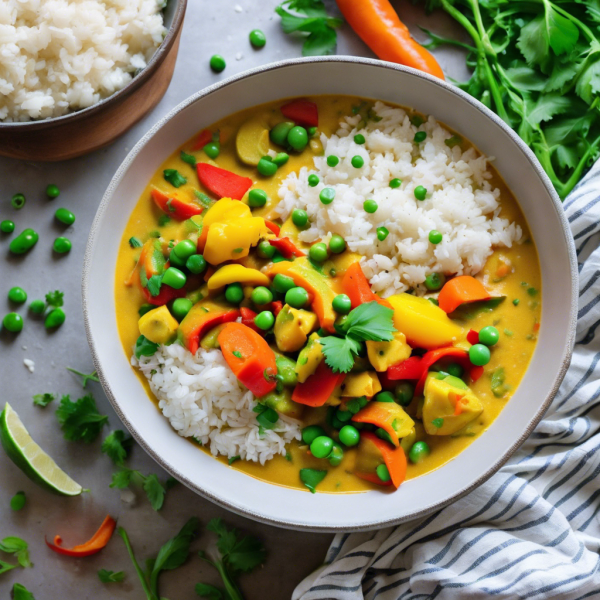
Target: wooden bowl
(86, 130)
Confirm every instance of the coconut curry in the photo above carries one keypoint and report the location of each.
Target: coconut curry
(205, 262)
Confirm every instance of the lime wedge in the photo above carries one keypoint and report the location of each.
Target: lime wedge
(31, 459)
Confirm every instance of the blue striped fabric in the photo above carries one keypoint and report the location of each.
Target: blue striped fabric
(533, 529)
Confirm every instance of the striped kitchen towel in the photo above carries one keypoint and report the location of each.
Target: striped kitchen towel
(533, 529)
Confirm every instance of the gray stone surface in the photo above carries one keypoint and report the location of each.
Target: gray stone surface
(210, 27)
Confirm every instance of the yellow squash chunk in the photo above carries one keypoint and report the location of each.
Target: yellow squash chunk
(309, 359)
(454, 406)
(158, 325)
(336, 396)
(232, 240)
(225, 209)
(252, 141)
(361, 384)
(407, 441)
(382, 355)
(292, 327)
(283, 403)
(236, 273)
(424, 324)
(389, 416)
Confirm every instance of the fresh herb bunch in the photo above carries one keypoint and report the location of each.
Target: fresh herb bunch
(536, 63)
(80, 421)
(309, 17)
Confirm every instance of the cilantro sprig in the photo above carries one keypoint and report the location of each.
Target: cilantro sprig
(110, 576)
(155, 490)
(43, 399)
(116, 446)
(80, 420)
(19, 548)
(368, 322)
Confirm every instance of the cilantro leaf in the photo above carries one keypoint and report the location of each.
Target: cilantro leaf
(18, 548)
(190, 159)
(588, 84)
(205, 590)
(311, 478)
(123, 478)
(174, 177)
(370, 321)
(546, 107)
(154, 491)
(43, 399)
(154, 284)
(20, 592)
(5, 567)
(339, 352)
(85, 377)
(110, 576)
(55, 299)
(80, 421)
(135, 242)
(144, 347)
(116, 446)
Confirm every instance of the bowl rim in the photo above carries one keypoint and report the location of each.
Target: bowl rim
(426, 509)
(145, 74)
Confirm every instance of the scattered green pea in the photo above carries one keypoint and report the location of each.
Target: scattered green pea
(349, 435)
(196, 264)
(18, 201)
(434, 281)
(13, 322)
(312, 131)
(370, 206)
(337, 244)
(18, 501)
(321, 446)
(257, 198)
(281, 158)
(234, 293)
(297, 138)
(419, 452)
(64, 216)
(52, 191)
(420, 192)
(265, 250)
(395, 183)
(455, 370)
(336, 455)
(55, 318)
(318, 252)
(261, 295)
(404, 392)
(174, 278)
(420, 136)
(357, 162)
(516, 301)
(24, 242)
(282, 283)
(37, 307)
(62, 245)
(7, 226)
(313, 180)
(311, 433)
(212, 149)
(217, 63)
(382, 233)
(257, 38)
(479, 355)
(384, 397)
(280, 132)
(266, 167)
(489, 335)
(181, 307)
(264, 320)
(435, 237)
(299, 217)
(327, 195)
(184, 249)
(17, 295)
(341, 304)
(359, 138)
(332, 160)
(297, 297)
(145, 308)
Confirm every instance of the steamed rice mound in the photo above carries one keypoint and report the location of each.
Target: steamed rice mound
(58, 56)
(461, 203)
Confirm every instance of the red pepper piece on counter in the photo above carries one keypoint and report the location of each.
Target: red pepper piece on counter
(286, 247)
(223, 183)
(318, 387)
(302, 112)
(175, 207)
(92, 546)
(358, 288)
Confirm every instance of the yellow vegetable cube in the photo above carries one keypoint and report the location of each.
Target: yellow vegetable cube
(382, 355)
(158, 325)
(292, 327)
(225, 209)
(361, 384)
(309, 359)
(232, 240)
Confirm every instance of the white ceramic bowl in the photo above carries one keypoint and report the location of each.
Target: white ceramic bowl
(294, 508)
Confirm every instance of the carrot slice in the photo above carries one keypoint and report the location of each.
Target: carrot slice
(286, 247)
(394, 459)
(92, 546)
(273, 227)
(302, 112)
(315, 391)
(381, 414)
(358, 288)
(201, 318)
(249, 357)
(461, 290)
(175, 207)
(223, 183)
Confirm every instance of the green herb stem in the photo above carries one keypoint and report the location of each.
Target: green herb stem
(149, 594)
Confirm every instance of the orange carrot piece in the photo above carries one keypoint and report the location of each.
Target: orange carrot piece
(461, 290)
(358, 288)
(92, 546)
(380, 414)
(394, 459)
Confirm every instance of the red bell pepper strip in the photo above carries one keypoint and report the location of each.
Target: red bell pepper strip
(394, 459)
(223, 183)
(92, 546)
(358, 289)
(248, 316)
(276, 307)
(273, 227)
(315, 391)
(411, 369)
(461, 290)
(203, 139)
(430, 358)
(286, 247)
(249, 357)
(473, 337)
(199, 320)
(174, 206)
(302, 112)
(475, 373)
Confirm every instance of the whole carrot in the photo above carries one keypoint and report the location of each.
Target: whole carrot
(378, 25)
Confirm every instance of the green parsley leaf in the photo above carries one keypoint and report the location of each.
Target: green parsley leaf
(110, 576)
(5, 567)
(43, 399)
(85, 377)
(135, 242)
(233, 459)
(116, 446)
(370, 321)
(190, 159)
(267, 417)
(154, 284)
(205, 590)
(20, 592)
(18, 501)
(155, 491)
(163, 220)
(174, 177)
(18, 548)
(340, 352)
(80, 421)
(144, 347)
(311, 478)
(123, 478)
(55, 299)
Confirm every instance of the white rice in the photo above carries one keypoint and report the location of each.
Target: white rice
(57, 56)
(202, 398)
(461, 203)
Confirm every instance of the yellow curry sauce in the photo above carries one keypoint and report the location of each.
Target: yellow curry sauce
(517, 322)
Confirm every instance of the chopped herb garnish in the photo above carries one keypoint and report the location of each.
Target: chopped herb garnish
(508, 332)
(205, 200)
(190, 159)
(266, 417)
(438, 423)
(55, 299)
(110, 576)
(155, 491)
(116, 446)
(532, 291)
(144, 347)
(516, 301)
(85, 377)
(417, 120)
(43, 399)
(135, 242)
(164, 220)
(288, 456)
(237, 250)
(237, 353)
(154, 284)
(154, 234)
(174, 177)
(499, 388)
(311, 478)
(455, 140)
(20, 592)
(233, 459)
(80, 421)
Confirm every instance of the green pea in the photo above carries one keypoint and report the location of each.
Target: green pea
(297, 297)
(395, 183)
(349, 435)
(343, 415)
(62, 245)
(341, 304)
(318, 252)
(174, 278)
(311, 433)
(264, 320)
(13, 322)
(404, 392)
(312, 131)
(184, 249)
(516, 302)
(280, 132)
(18, 501)
(336, 456)
(321, 447)
(52, 191)
(479, 355)
(282, 283)
(359, 139)
(281, 158)
(455, 370)
(64, 216)
(489, 335)
(327, 195)
(434, 281)
(55, 318)
(266, 167)
(261, 295)
(145, 308)
(217, 63)
(357, 162)
(181, 307)
(17, 295)
(265, 250)
(382, 233)
(257, 38)
(435, 237)
(7, 226)
(175, 261)
(439, 422)
(385, 397)
(234, 293)
(420, 136)
(196, 264)
(297, 138)
(257, 198)
(370, 206)
(383, 473)
(37, 307)
(333, 160)
(212, 149)
(337, 244)
(299, 217)
(420, 192)
(418, 452)
(18, 201)
(24, 242)
(313, 180)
